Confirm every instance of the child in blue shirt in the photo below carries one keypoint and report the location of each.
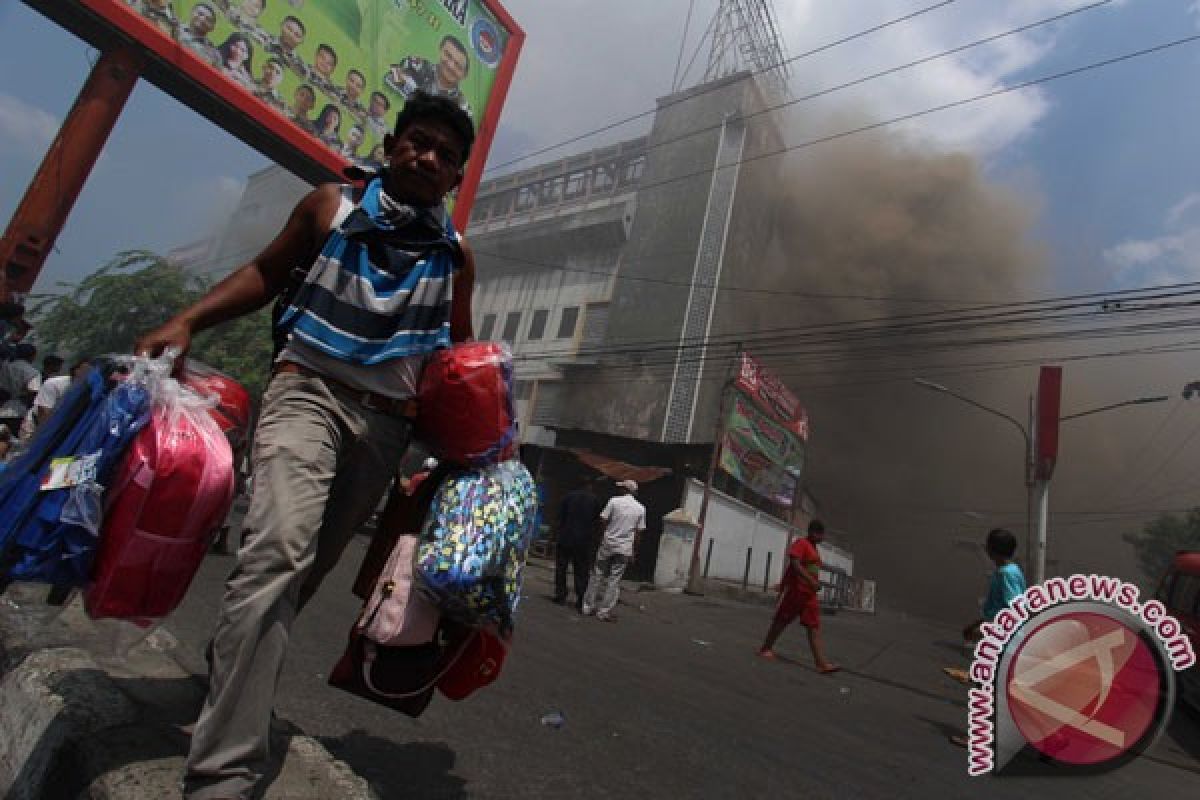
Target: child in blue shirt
(1006, 583)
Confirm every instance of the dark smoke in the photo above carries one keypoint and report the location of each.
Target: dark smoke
(910, 478)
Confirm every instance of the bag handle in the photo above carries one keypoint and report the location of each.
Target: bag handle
(369, 652)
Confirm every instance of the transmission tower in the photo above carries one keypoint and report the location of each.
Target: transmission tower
(744, 36)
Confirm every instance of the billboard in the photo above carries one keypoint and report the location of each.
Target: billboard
(770, 395)
(314, 84)
(762, 454)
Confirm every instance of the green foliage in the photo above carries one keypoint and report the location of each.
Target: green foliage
(1161, 538)
(138, 290)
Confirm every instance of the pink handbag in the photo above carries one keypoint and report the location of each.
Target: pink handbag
(397, 615)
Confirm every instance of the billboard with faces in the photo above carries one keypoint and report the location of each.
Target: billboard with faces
(315, 84)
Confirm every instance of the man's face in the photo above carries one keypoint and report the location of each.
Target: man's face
(325, 63)
(452, 65)
(290, 35)
(424, 162)
(271, 75)
(302, 101)
(378, 106)
(355, 85)
(203, 21)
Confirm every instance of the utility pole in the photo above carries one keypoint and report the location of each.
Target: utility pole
(694, 580)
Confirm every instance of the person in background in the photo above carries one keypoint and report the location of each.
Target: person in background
(578, 523)
(51, 393)
(625, 519)
(19, 382)
(798, 598)
(51, 366)
(1006, 583)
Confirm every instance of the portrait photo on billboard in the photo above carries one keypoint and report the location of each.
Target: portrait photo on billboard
(327, 77)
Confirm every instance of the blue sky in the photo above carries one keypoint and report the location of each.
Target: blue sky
(1107, 158)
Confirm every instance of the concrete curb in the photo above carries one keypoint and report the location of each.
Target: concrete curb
(89, 712)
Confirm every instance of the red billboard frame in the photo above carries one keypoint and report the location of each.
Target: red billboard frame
(107, 24)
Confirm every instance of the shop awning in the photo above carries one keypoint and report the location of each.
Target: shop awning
(619, 470)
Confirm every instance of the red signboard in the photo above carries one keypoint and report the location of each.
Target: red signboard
(1049, 402)
(770, 395)
(314, 85)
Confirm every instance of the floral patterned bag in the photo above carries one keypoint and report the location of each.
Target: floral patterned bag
(473, 544)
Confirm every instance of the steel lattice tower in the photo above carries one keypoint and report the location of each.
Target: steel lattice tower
(745, 37)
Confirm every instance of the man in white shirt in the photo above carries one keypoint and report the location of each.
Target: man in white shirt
(48, 397)
(625, 519)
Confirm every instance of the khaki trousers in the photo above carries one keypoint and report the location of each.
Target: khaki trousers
(321, 463)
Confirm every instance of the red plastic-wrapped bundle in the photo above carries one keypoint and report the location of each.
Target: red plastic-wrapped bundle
(173, 491)
(232, 412)
(466, 408)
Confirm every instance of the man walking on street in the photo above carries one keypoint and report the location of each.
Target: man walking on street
(390, 282)
(798, 597)
(577, 522)
(625, 519)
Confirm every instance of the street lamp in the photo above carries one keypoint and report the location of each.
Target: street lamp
(1136, 402)
(1040, 488)
(1029, 455)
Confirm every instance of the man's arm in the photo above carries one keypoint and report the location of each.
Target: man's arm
(253, 285)
(461, 328)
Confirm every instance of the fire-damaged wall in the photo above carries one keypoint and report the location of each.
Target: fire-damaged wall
(679, 227)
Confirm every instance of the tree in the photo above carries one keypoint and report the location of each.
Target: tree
(1162, 538)
(138, 290)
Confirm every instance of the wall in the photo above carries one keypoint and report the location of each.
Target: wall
(733, 526)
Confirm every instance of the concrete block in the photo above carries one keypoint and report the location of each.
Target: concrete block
(49, 701)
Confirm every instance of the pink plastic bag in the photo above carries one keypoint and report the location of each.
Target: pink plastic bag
(397, 615)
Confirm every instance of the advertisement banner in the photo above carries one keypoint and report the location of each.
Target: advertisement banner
(315, 80)
(760, 453)
(770, 395)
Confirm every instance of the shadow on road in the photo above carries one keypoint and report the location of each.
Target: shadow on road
(415, 770)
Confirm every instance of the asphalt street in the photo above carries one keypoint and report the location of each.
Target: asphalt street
(672, 702)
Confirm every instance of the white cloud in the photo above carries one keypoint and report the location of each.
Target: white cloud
(586, 64)
(24, 129)
(1172, 256)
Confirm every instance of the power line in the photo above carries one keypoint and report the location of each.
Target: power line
(705, 90)
(1003, 90)
(883, 73)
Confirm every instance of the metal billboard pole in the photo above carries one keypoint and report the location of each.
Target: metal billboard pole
(43, 211)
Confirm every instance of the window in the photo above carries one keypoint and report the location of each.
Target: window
(523, 390)
(512, 321)
(576, 185)
(566, 326)
(526, 199)
(632, 172)
(537, 327)
(552, 190)
(488, 326)
(602, 178)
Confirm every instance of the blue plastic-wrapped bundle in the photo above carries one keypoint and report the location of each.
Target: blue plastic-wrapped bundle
(48, 530)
